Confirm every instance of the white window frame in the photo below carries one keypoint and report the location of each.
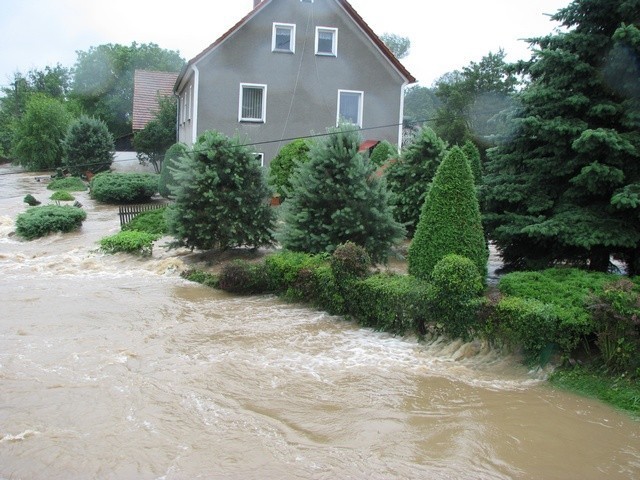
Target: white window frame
(306, 1)
(360, 106)
(263, 118)
(260, 156)
(292, 37)
(334, 44)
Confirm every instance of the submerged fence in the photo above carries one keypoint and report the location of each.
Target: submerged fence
(127, 212)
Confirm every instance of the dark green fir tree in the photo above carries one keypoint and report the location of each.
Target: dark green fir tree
(336, 197)
(565, 185)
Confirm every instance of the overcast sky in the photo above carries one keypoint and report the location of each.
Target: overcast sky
(445, 35)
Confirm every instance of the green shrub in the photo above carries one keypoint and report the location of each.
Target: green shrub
(198, 276)
(166, 182)
(62, 196)
(390, 302)
(383, 152)
(615, 312)
(284, 163)
(151, 221)
(88, 146)
(527, 324)
(31, 200)
(242, 277)
(283, 268)
(450, 221)
(317, 286)
(140, 243)
(40, 221)
(123, 187)
(70, 184)
(350, 262)
(454, 299)
(473, 155)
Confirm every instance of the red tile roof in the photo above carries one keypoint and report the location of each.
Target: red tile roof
(147, 87)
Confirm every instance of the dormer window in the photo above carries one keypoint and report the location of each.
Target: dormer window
(327, 41)
(283, 38)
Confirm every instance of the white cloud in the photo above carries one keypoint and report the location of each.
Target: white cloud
(444, 35)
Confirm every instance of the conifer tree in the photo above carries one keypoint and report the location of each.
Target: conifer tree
(565, 185)
(409, 178)
(450, 221)
(336, 198)
(473, 155)
(221, 197)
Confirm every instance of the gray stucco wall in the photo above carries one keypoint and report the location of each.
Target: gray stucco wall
(302, 88)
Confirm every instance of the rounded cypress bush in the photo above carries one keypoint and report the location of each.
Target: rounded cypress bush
(88, 146)
(123, 187)
(166, 182)
(383, 152)
(450, 221)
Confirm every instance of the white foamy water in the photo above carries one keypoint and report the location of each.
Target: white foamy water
(113, 367)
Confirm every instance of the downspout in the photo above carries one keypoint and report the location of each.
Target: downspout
(401, 119)
(194, 99)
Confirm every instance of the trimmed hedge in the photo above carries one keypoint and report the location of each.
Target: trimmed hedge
(70, 184)
(124, 187)
(390, 302)
(151, 221)
(40, 221)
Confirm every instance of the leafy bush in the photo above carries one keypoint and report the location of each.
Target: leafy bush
(70, 184)
(350, 262)
(383, 152)
(123, 187)
(390, 302)
(166, 182)
(335, 198)
(616, 316)
(31, 200)
(151, 221)
(198, 276)
(283, 268)
(88, 146)
(242, 277)
(153, 141)
(409, 178)
(140, 243)
(450, 221)
(221, 199)
(40, 221)
(62, 196)
(39, 133)
(285, 162)
(453, 301)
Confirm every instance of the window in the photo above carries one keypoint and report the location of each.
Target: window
(326, 41)
(283, 38)
(253, 103)
(350, 107)
(260, 158)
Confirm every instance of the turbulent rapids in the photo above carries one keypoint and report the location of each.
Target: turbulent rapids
(113, 367)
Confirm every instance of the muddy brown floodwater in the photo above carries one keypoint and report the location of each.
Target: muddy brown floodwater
(112, 367)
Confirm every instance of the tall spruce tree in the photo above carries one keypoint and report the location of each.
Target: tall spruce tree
(565, 186)
(450, 222)
(336, 197)
(220, 197)
(409, 177)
